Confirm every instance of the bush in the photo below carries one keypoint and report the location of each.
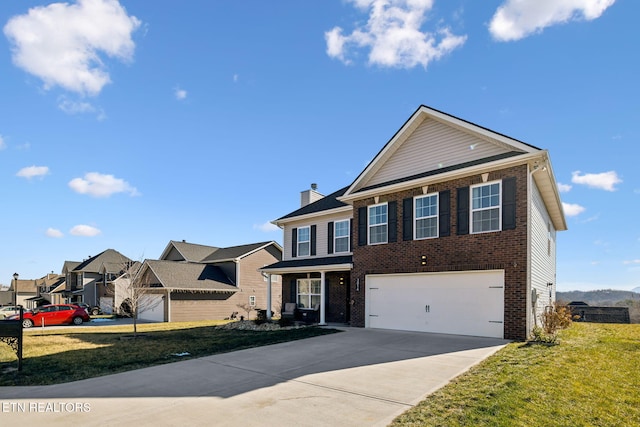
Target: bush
(554, 318)
(285, 321)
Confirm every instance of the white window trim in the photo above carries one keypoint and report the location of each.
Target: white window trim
(436, 216)
(252, 300)
(298, 241)
(369, 226)
(335, 237)
(309, 294)
(499, 207)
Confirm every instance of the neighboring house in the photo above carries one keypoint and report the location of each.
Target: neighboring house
(90, 281)
(451, 228)
(23, 292)
(50, 289)
(197, 282)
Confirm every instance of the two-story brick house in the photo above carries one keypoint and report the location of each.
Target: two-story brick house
(451, 229)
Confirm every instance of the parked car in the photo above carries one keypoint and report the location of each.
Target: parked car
(53, 314)
(95, 310)
(9, 310)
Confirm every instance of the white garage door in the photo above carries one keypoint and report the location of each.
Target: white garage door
(151, 308)
(463, 303)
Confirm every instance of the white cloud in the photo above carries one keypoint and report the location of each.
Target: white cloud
(99, 185)
(393, 35)
(61, 43)
(236, 78)
(33, 171)
(267, 227)
(517, 19)
(3, 145)
(571, 209)
(85, 231)
(564, 188)
(633, 261)
(52, 232)
(602, 181)
(180, 93)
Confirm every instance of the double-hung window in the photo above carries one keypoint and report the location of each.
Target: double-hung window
(308, 292)
(304, 241)
(341, 236)
(426, 216)
(378, 224)
(485, 207)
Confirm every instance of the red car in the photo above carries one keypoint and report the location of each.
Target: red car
(54, 314)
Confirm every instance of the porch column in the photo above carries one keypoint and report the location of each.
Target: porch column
(269, 297)
(322, 301)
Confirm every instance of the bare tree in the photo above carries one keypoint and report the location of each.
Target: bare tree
(132, 294)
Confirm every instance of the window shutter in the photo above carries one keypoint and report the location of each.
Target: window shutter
(294, 243)
(463, 211)
(362, 226)
(392, 218)
(407, 219)
(444, 213)
(509, 203)
(330, 238)
(313, 239)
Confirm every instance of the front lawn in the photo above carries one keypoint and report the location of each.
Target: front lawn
(70, 354)
(591, 379)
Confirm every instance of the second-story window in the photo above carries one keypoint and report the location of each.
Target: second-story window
(341, 236)
(304, 241)
(378, 224)
(426, 216)
(485, 208)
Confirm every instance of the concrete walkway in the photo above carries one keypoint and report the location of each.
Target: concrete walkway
(359, 377)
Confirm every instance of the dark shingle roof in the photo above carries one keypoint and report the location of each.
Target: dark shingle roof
(327, 202)
(108, 257)
(233, 252)
(191, 276)
(311, 262)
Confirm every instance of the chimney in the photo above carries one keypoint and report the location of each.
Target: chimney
(309, 196)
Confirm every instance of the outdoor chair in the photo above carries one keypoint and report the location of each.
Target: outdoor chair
(290, 310)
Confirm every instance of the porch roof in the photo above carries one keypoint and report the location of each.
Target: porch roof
(333, 263)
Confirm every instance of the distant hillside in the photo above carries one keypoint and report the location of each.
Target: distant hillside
(636, 289)
(606, 298)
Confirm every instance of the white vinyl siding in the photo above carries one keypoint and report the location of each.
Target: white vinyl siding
(322, 224)
(447, 147)
(543, 252)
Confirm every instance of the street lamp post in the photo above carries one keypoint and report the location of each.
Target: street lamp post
(15, 289)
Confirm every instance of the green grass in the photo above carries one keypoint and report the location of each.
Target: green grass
(592, 378)
(71, 354)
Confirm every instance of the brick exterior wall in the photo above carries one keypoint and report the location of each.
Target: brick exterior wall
(506, 250)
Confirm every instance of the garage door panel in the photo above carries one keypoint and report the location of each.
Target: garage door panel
(469, 303)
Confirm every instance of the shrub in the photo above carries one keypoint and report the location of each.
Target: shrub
(554, 318)
(285, 321)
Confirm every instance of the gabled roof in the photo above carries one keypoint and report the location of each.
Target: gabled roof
(107, 257)
(444, 143)
(236, 252)
(192, 252)
(325, 204)
(190, 276)
(69, 266)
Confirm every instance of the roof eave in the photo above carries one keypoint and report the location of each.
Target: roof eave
(282, 221)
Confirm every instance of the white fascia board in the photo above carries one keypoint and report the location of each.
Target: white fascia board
(307, 269)
(281, 222)
(447, 176)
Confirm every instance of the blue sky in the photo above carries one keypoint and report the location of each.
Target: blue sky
(128, 124)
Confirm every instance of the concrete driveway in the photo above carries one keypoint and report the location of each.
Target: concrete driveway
(359, 377)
